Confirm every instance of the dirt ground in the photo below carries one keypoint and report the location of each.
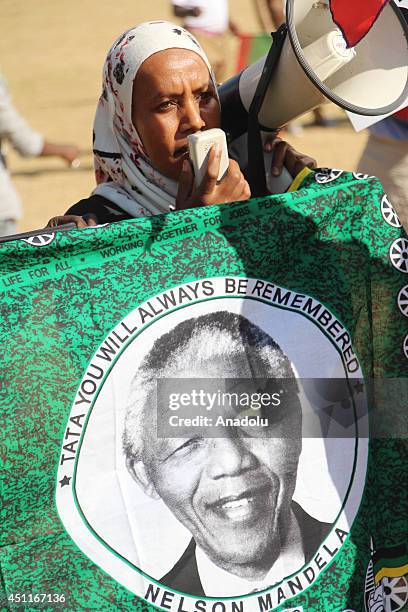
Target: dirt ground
(51, 53)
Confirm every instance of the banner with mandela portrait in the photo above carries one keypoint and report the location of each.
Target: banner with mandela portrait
(203, 411)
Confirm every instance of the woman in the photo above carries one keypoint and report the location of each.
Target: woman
(158, 87)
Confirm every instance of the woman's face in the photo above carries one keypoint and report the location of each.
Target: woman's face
(173, 96)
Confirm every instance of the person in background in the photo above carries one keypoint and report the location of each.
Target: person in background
(386, 156)
(271, 15)
(209, 22)
(27, 143)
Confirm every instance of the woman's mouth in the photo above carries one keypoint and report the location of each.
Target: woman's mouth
(181, 152)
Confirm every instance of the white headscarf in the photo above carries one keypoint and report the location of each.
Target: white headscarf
(123, 170)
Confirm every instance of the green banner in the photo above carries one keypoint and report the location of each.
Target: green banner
(114, 499)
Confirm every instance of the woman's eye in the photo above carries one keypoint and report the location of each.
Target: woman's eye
(165, 105)
(205, 96)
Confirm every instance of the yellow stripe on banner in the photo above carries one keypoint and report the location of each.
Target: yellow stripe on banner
(391, 572)
(299, 178)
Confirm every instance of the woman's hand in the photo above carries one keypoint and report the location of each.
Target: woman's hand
(85, 221)
(285, 155)
(232, 188)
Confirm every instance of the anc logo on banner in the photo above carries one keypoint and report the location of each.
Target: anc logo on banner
(386, 584)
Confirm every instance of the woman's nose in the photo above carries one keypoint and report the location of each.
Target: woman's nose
(230, 457)
(191, 119)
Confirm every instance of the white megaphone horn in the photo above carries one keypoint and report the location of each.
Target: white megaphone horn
(315, 67)
(311, 65)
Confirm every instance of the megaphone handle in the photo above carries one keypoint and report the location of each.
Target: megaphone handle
(256, 174)
(276, 184)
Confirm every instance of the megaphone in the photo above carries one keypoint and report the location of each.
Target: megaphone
(315, 66)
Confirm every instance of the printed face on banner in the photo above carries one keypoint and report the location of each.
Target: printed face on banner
(202, 466)
(233, 493)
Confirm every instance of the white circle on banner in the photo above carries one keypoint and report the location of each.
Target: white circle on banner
(360, 176)
(136, 537)
(388, 213)
(399, 254)
(390, 595)
(40, 240)
(327, 175)
(405, 346)
(403, 300)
